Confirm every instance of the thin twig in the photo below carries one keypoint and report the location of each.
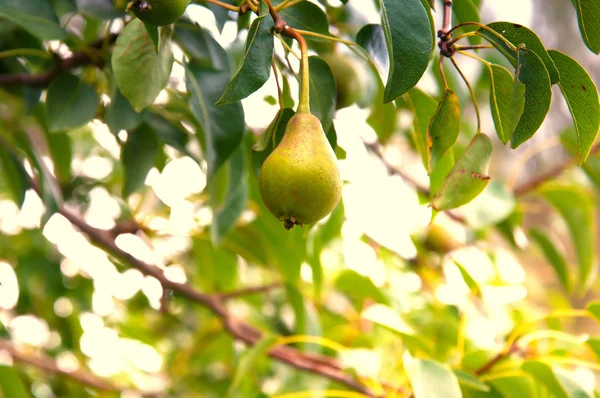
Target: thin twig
(473, 97)
(249, 291)
(279, 91)
(224, 5)
(473, 47)
(77, 59)
(497, 358)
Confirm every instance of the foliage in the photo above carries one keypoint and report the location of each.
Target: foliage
(137, 257)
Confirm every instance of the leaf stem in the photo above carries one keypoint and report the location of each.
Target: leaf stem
(225, 5)
(460, 37)
(320, 36)
(486, 28)
(442, 73)
(287, 47)
(473, 47)
(279, 92)
(475, 104)
(466, 54)
(287, 3)
(18, 52)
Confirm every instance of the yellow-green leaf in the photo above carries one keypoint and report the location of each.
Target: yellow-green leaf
(588, 16)
(506, 101)
(444, 126)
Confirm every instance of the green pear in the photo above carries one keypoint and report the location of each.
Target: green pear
(349, 82)
(300, 182)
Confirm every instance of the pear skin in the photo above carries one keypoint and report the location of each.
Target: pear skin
(300, 182)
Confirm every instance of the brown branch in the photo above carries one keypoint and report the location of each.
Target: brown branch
(47, 364)
(445, 44)
(248, 291)
(497, 358)
(75, 60)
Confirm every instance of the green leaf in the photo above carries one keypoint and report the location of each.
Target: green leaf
(469, 281)
(141, 72)
(11, 383)
(581, 95)
(543, 373)
(221, 139)
(423, 107)
(245, 368)
(410, 44)
(538, 95)
(200, 46)
(576, 206)
(588, 16)
(594, 309)
(231, 207)
(14, 174)
(507, 99)
(101, 9)
(440, 172)
(594, 344)
(468, 380)
(70, 103)
(322, 91)
(444, 126)
(431, 379)
(359, 287)
(372, 39)
(516, 386)
(306, 16)
(59, 146)
(517, 35)
(591, 166)
(138, 155)
(256, 64)
(170, 133)
(271, 137)
(215, 266)
(467, 11)
(36, 16)
(383, 118)
(468, 178)
(554, 257)
(120, 115)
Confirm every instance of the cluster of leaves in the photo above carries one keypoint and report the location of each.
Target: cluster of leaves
(117, 75)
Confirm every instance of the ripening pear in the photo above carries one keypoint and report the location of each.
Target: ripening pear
(300, 182)
(159, 12)
(350, 85)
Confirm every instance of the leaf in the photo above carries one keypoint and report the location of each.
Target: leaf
(594, 345)
(226, 213)
(431, 379)
(594, 309)
(591, 166)
(423, 107)
(468, 380)
(517, 35)
(11, 383)
(588, 17)
(581, 95)
(444, 126)
(172, 134)
(246, 365)
(59, 146)
(468, 178)
(14, 174)
(322, 91)
(256, 64)
(554, 257)
(576, 206)
(36, 16)
(372, 39)
(383, 118)
(544, 374)
(138, 155)
(271, 137)
(120, 115)
(206, 86)
(101, 9)
(467, 11)
(507, 99)
(141, 72)
(469, 281)
(359, 287)
(70, 103)
(200, 46)
(440, 172)
(538, 94)
(306, 16)
(410, 44)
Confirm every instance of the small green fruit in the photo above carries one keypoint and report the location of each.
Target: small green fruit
(349, 83)
(159, 12)
(300, 182)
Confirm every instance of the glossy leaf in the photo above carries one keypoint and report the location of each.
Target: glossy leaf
(543, 373)
(322, 91)
(306, 16)
(430, 379)
(538, 94)
(468, 178)
(581, 95)
(138, 155)
(205, 86)
(517, 35)
(577, 208)
(372, 39)
(140, 70)
(554, 257)
(200, 46)
(245, 367)
(467, 11)
(256, 64)
(233, 204)
(11, 383)
(507, 99)
(410, 44)
(444, 126)
(588, 16)
(423, 107)
(70, 103)
(36, 16)
(13, 172)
